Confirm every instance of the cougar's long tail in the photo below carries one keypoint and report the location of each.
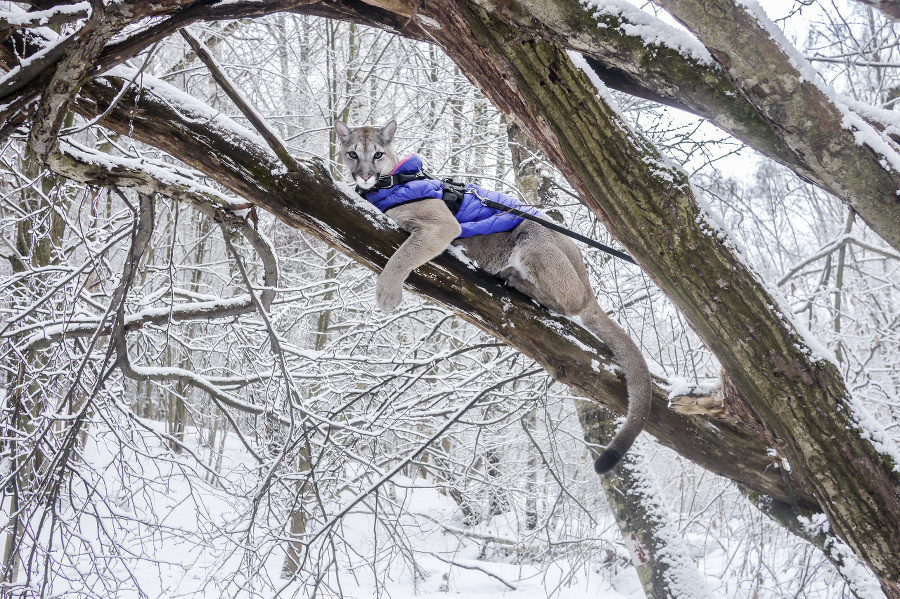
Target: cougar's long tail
(637, 378)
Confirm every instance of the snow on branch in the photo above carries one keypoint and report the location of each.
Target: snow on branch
(15, 17)
(246, 109)
(833, 246)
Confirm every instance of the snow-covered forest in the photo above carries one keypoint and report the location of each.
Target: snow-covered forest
(200, 398)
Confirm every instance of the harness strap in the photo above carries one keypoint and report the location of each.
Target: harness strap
(557, 228)
(453, 197)
(399, 179)
(453, 194)
(386, 181)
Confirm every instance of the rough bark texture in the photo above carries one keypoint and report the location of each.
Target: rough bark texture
(68, 76)
(658, 553)
(811, 124)
(627, 62)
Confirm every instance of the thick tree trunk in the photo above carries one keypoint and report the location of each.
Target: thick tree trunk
(659, 554)
(796, 397)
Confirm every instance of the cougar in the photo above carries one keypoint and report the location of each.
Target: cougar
(537, 261)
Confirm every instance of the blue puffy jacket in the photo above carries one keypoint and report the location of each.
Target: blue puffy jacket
(474, 218)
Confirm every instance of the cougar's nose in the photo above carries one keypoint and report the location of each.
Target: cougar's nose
(366, 177)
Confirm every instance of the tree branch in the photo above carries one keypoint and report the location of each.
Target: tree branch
(58, 15)
(231, 91)
(312, 202)
(786, 91)
(69, 75)
(95, 168)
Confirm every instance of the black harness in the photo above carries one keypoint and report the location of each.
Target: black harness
(454, 192)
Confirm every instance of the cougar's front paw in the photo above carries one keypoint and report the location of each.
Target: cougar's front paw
(387, 295)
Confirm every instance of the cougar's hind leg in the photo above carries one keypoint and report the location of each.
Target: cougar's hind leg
(540, 267)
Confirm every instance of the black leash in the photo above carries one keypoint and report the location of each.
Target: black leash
(453, 194)
(563, 230)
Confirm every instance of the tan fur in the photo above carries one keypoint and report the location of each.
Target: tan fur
(537, 261)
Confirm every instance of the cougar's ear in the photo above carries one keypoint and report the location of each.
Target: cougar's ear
(343, 131)
(387, 132)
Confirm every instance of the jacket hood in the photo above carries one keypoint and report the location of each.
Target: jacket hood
(408, 166)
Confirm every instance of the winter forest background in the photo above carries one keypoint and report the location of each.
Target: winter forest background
(320, 447)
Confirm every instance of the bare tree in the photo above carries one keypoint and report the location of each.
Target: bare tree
(779, 390)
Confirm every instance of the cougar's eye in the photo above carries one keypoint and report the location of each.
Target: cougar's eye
(378, 155)
(353, 155)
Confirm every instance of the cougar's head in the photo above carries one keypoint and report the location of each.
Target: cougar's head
(367, 151)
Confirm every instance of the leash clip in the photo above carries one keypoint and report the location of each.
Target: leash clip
(474, 191)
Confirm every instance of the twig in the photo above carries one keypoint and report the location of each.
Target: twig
(510, 545)
(553, 471)
(46, 335)
(418, 451)
(231, 91)
(479, 568)
(89, 166)
(833, 246)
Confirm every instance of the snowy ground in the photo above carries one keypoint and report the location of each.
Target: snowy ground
(182, 537)
(156, 528)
